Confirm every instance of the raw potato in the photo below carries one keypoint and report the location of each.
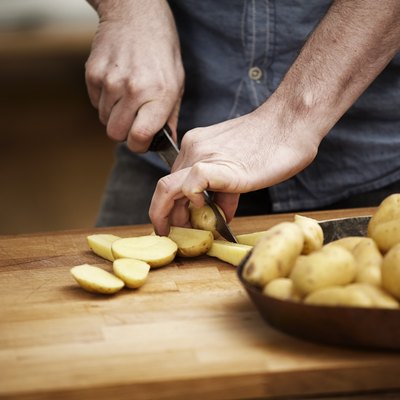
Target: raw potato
(384, 225)
(330, 266)
(100, 244)
(191, 242)
(348, 242)
(391, 271)
(378, 296)
(250, 239)
(204, 218)
(312, 231)
(96, 280)
(157, 251)
(133, 272)
(339, 296)
(274, 254)
(232, 253)
(368, 259)
(282, 288)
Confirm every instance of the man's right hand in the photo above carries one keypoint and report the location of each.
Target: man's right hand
(134, 73)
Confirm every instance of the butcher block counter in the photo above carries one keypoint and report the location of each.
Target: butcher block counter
(190, 332)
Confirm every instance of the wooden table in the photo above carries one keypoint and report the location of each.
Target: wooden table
(190, 332)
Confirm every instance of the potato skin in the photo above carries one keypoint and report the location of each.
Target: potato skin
(391, 271)
(204, 218)
(384, 225)
(339, 296)
(312, 231)
(281, 288)
(274, 254)
(368, 259)
(330, 266)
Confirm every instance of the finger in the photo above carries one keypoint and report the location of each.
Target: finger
(121, 118)
(93, 78)
(150, 118)
(179, 215)
(167, 191)
(208, 176)
(173, 120)
(228, 202)
(108, 99)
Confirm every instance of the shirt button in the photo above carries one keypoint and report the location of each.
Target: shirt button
(255, 73)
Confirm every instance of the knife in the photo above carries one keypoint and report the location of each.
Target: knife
(168, 150)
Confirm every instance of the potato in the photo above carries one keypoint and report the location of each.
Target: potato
(250, 239)
(204, 218)
(391, 271)
(96, 280)
(274, 254)
(312, 231)
(368, 259)
(100, 244)
(133, 272)
(281, 288)
(378, 296)
(330, 266)
(191, 242)
(232, 253)
(339, 296)
(157, 251)
(348, 242)
(384, 225)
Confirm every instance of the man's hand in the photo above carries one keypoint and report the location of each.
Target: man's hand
(349, 48)
(134, 73)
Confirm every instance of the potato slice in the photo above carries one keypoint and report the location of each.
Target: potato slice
(312, 231)
(204, 218)
(96, 280)
(191, 242)
(133, 272)
(100, 244)
(250, 238)
(232, 253)
(157, 251)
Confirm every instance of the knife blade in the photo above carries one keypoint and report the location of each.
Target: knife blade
(168, 150)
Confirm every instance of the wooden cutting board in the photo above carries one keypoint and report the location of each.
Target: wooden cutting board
(190, 332)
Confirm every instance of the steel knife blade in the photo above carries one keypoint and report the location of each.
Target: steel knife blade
(168, 150)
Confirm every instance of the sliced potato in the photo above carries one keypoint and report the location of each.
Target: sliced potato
(312, 231)
(96, 280)
(282, 288)
(157, 251)
(133, 272)
(100, 244)
(330, 266)
(250, 238)
(191, 242)
(274, 254)
(204, 218)
(232, 253)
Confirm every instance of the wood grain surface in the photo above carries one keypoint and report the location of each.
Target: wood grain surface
(190, 332)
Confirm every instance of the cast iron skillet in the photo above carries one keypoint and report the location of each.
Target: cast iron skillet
(345, 326)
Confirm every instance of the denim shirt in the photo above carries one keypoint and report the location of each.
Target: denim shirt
(236, 53)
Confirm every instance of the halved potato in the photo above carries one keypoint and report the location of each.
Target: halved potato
(231, 253)
(191, 242)
(250, 238)
(100, 244)
(133, 272)
(96, 280)
(157, 251)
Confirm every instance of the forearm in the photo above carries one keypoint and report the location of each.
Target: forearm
(348, 49)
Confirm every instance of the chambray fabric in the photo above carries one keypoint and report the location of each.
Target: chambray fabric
(221, 41)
